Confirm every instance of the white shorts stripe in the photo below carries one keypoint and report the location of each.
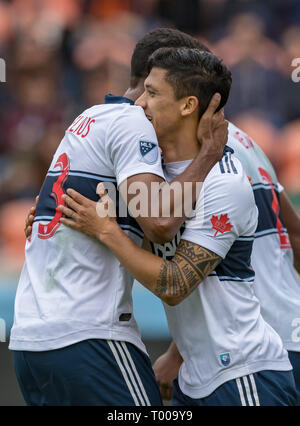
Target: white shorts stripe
(129, 371)
(136, 373)
(254, 389)
(239, 385)
(248, 393)
(117, 358)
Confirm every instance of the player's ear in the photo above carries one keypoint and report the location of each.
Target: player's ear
(189, 104)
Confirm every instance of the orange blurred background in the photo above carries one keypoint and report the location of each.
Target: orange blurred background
(63, 56)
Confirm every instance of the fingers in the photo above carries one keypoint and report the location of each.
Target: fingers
(69, 222)
(29, 222)
(224, 127)
(76, 196)
(37, 199)
(212, 106)
(28, 231)
(218, 119)
(30, 217)
(71, 202)
(67, 212)
(166, 391)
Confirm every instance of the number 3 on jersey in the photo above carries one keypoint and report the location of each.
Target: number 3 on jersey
(47, 231)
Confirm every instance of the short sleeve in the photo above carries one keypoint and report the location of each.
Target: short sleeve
(225, 211)
(132, 146)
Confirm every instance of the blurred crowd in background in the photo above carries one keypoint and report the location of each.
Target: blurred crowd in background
(63, 56)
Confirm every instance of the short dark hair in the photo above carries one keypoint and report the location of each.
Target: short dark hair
(193, 73)
(155, 39)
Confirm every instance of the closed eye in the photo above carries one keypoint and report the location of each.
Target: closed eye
(151, 93)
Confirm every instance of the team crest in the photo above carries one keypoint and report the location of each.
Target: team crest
(148, 151)
(225, 359)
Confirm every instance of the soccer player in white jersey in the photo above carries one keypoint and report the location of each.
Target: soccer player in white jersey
(231, 356)
(277, 283)
(74, 338)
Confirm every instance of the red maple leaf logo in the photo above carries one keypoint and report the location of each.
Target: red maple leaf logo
(221, 224)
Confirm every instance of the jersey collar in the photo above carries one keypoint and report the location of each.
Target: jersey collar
(228, 149)
(112, 99)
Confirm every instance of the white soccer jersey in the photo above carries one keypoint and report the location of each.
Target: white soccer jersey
(218, 328)
(72, 287)
(276, 282)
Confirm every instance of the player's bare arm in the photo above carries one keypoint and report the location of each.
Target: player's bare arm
(212, 135)
(292, 221)
(171, 281)
(166, 369)
(180, 276)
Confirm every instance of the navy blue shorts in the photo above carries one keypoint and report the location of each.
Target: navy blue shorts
(295, 361)
(265, 388)
(91, 372)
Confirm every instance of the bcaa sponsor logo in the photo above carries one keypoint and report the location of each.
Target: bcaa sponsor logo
(81, 126)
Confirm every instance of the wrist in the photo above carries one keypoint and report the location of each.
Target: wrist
(110, 234)
(208, 158)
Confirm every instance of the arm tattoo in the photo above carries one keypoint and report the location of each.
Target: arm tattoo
(190, 266)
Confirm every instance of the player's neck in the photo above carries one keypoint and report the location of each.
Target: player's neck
(134, 94)
(180, 146)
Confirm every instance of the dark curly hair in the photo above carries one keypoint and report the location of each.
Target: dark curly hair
(192, 72)
(161, 37)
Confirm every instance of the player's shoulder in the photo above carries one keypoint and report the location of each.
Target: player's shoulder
(237, 138)
(132, 118)
(251, 156)
(228, 168)
(114, 111)
(228, 178)
(242, 144)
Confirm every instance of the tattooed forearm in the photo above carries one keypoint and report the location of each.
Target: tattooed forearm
(188, 268)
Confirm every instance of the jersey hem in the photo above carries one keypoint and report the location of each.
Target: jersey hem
(61, 342)
(204, 391)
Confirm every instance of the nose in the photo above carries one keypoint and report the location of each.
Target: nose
(141, 101)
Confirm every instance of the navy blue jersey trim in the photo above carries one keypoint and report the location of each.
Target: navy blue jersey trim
(232, 165)
(112, 99)
(236, 266)
(267, 219)
(133, 230)
(266, 186)
(231, 278)
(221, 166)
(46, 207)
(228, 161)
(267, 232)
(237, 263)
(84, 174)
(228, 149)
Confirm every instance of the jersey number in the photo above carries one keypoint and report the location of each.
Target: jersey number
(47, 231)
(283, 236)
